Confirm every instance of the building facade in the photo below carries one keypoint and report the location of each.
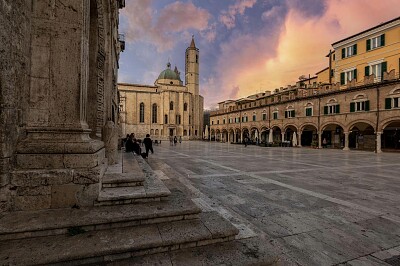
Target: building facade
(351, 104)
(167, 108)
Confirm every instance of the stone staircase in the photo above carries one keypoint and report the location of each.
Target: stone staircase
(136, 214)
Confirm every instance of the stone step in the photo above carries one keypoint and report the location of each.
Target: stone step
(27, 224)
(119, 243)
(123, 179)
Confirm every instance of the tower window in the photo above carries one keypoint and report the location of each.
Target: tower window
(141, 116)
(154, 115)
(185, 107)
(171, 106)
(197, 58)
(166, 119)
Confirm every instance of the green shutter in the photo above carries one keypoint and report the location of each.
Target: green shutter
(367, 71)
(384, 68)
(354, 49)
(388, 103)
(293, 114)
(367, 105)
(337, 109)
(352, 107)
(355, 73)
(383, 40)
(343, 53)
(342, 81)
(368, 44)
(325, 110)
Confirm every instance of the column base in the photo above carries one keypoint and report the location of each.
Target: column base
(345, 149)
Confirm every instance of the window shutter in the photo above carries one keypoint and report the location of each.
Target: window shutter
(354, 49)
(367, 71)
(325, 110)
(352, 107)
(293, 114)
(384, 68)
(367, 105)
(355, 73)
(368, 44)
(337, 109)
(383, 40)
(388, 103)
(286, 114)
(342, 81)
(343, 53)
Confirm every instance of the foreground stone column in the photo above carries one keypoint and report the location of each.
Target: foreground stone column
(57, 163)
(378, 142)
(110, 137)
(346, 141)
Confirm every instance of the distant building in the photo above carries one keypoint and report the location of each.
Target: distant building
(354, 103)
(167, 108)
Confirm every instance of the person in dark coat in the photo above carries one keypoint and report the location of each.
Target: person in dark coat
(136, 147)
(148, 144)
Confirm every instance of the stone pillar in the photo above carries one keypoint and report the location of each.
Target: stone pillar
(241, 136)
(378, 142)
(283, 136)
(319, 139)
(299, 139)
(346, 141)
(57, 151)
(110, 138)
(229, 138)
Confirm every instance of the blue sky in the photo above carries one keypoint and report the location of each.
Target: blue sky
(246, 46)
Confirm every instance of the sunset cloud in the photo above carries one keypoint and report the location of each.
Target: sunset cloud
(228, 17)
(166, 27)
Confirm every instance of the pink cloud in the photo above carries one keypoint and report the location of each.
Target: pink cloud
(228, 17)
(250, 63)
(167, 27)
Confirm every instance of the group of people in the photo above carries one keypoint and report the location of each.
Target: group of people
(133, 145)
(174, 140)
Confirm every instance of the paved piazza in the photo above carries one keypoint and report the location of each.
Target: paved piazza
(306, 206)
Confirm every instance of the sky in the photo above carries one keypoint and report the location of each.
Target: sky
(246, 46)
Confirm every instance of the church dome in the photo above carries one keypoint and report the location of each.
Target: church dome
(169, 74)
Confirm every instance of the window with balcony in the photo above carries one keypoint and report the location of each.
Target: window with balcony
(348, 76)
(376, 69)
(376, 42)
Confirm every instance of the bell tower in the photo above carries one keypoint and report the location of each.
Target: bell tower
(192, 68)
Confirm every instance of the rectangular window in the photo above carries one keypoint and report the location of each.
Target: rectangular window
(166, 119)
(359, 106)
(275, 115)
(309, 111)
(264, 117)
(254, 117)
(212, 122)
(289, 114)
(349, 51)
(376, 42)
(332, 109)
(392, 103)
(218, 122)
(396, 102)
(223, 121)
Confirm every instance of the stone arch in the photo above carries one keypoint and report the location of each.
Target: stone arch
(360, 96)
(324, 125)
(362, 135)
(332, 133)
(387, 122)
(285, 127)
(309, 134)
(308, 124)
(391, 134)
(396, 90)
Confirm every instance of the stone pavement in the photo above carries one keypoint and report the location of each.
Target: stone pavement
(311, 207)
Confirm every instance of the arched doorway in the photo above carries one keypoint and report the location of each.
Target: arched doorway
(309, 136)
(276, 135)
(290, 137)
(391, 136)
(212, 134)
(224, 135)
(333, 134)
(217, 135)
(264, 135)
(362, 137)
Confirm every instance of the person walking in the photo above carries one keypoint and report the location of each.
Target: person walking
(136, 147)
(175, 140)
(148, 144)
(180, 139)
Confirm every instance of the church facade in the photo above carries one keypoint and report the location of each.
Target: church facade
(167, 108)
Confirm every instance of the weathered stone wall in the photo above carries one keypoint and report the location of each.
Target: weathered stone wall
(15, 19)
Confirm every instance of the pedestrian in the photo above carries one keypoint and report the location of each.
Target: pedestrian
(148, 144)
(245, 141)
(175, 140)
(180, 139)
(136, 147)
(324, 143)
(129, 143)
(171, 140)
